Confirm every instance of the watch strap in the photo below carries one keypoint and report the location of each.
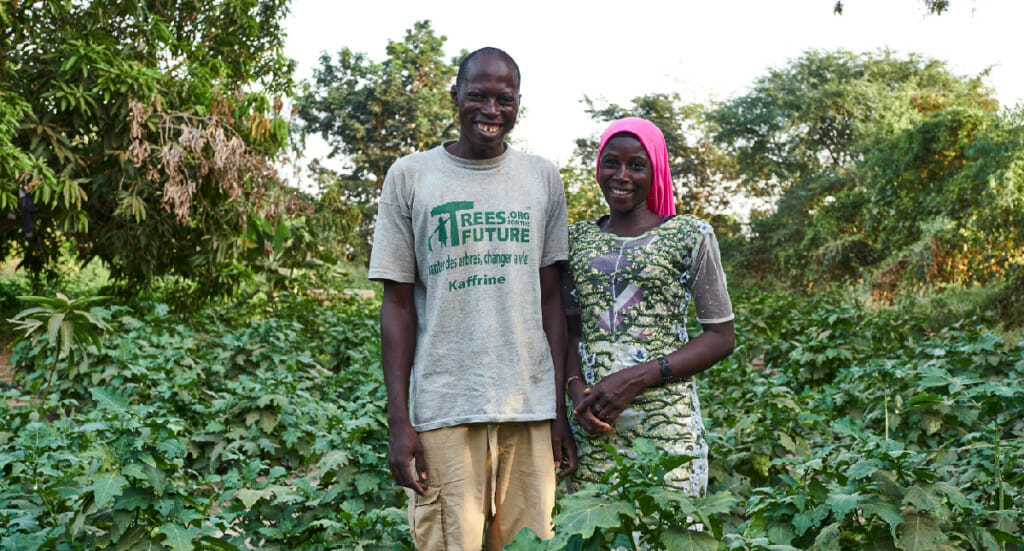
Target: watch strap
(666, 370)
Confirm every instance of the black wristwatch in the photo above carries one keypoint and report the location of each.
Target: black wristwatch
(666, 370)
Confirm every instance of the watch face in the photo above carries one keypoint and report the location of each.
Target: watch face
(666, 369)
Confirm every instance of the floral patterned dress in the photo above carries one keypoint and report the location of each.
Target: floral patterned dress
(633, 295)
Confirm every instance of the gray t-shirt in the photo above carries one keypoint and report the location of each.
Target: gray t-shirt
(472, 237)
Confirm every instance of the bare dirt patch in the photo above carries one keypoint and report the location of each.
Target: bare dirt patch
(6, 369)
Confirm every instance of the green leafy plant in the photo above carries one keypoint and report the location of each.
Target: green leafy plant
(632, 508)
(66, 326)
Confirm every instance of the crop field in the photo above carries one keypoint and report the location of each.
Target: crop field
(831, 427)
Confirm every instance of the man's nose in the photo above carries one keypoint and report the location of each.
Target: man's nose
(490, 106)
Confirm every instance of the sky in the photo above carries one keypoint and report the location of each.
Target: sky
(705, 50)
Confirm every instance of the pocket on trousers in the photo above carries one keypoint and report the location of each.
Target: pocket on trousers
(427, 520)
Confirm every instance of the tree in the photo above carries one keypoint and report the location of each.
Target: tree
(861, 153)
(144, 132)
(373, 113)
(936, 7)
(700, 170)
(817, 113)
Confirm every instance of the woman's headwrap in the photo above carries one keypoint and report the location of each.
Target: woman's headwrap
(661, 199)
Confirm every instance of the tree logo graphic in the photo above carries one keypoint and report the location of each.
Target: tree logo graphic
(447, 230)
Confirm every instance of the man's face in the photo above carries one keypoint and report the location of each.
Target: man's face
(487, 102)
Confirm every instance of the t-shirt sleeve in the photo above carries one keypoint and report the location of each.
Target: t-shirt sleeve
(710, 292)
(556, 227)
(393, 256)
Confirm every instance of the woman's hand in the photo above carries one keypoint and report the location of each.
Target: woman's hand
(602, 403)
(585, 417)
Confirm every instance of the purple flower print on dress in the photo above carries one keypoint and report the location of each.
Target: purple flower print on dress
(622, 292)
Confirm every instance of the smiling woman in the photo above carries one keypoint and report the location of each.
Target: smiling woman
(634, 272)
(624, 174)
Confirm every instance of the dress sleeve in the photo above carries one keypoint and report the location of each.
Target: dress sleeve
(710, 292)
(556, 243)
(570, 299)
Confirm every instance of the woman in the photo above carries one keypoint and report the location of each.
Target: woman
(635, 271)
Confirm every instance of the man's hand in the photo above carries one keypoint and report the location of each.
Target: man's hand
(403, 447)
(563, 446)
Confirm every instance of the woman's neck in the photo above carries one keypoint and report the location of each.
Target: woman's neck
(631, 224)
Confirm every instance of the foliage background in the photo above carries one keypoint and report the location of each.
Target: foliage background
(231, 395)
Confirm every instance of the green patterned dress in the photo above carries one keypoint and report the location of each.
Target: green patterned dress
(633, 295)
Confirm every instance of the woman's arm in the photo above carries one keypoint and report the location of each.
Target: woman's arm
(612, 395)
(575, 384)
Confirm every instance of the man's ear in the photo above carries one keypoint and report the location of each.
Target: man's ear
(455, 96)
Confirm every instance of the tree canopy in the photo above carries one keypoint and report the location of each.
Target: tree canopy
(936, 7)
(144, 132)
(882, 168)
(371, 113)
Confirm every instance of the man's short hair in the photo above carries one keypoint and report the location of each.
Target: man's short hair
(487, 50)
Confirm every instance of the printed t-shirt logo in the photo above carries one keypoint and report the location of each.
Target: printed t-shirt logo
(502, 234)
(458, 223)
(447, 228)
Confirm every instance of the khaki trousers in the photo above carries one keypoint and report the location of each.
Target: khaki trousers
(494, 477)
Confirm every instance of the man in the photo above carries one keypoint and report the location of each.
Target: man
(467, 239)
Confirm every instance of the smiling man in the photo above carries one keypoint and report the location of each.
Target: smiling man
(472, 331)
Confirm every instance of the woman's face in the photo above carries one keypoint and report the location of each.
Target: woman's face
(624, 173)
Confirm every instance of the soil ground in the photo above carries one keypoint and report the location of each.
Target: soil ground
(6, 369)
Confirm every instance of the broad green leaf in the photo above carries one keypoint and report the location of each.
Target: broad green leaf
(678, 540)
(134, 470)
(367, 482)
(828, 539)
(108, 398)
(106, 487)
(527, 540)
(134, 498)
(249, 497)
(179, 538)
(809, 519)
(333, 459)
(717, 503)
(922, 499)
(218, 543)
(842, 503)
(67, 338)
(863, 468)
(53, 327)
(920, 532)
(121, 521)
(587, 514)
(888, 512)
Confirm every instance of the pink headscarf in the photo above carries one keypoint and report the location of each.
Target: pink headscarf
(661, 199)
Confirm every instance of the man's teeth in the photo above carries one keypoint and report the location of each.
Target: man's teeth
(489, 128)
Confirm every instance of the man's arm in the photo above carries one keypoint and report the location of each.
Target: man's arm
(563, 445)
(397, 348)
